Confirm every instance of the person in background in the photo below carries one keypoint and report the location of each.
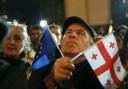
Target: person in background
(119, 35)
(98, 37)
(125, 41)
(124, 52)
(35, 33)
(13, 72)
(54, 29)
(124, 60)
(119, 41)
(122, 30)
(64, 73)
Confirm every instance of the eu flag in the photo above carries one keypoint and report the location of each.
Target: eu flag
(46, 51)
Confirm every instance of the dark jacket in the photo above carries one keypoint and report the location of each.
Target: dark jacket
(83, 78)
(12, 74)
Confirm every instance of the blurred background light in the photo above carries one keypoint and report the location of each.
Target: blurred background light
(43, 23)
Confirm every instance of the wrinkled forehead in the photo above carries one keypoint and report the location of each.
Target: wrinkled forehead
(77, 26)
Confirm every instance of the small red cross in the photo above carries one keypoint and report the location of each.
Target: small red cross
(94, 56)
(107, 82)
(118, 69)
(111, 45)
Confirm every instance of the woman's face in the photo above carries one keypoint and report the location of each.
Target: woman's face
(13, 45)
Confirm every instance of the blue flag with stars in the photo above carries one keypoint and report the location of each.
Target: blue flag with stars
(46, 51)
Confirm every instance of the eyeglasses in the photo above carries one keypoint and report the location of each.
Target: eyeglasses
(77, 32)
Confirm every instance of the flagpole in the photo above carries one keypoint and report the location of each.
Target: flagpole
(73, 59)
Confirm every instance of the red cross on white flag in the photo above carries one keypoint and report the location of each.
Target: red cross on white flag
(105, 61)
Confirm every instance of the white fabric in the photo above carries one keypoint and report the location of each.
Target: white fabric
(100, 61)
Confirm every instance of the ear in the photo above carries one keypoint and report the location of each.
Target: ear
(91, 40)
(61, 41)
(62, 38)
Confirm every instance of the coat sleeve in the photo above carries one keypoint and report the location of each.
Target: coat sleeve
(36, 80)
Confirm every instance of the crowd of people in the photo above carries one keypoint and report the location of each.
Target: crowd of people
(63, 73)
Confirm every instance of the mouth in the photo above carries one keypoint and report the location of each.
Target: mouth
(10, 48)
(72, 44)
(36, 41)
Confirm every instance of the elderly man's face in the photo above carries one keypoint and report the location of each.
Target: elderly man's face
(75, 40)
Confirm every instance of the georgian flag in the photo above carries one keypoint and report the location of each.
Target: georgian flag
(105, 61)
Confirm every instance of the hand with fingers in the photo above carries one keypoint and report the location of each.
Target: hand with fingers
(63, 69)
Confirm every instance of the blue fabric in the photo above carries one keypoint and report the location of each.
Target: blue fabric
(45, 48)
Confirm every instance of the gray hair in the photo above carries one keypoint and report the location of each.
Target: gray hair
(26, 37)
(22, 28)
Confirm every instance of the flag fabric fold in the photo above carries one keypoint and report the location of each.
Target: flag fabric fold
(105, 61)
(45, 51)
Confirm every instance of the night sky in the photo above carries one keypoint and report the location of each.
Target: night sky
(31, 11)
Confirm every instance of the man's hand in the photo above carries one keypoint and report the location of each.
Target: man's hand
(63, 69)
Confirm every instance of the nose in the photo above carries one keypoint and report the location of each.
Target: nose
(73, 34)
(11, 40)
(36, 36)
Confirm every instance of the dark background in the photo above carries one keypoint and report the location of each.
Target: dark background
(32, 11)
